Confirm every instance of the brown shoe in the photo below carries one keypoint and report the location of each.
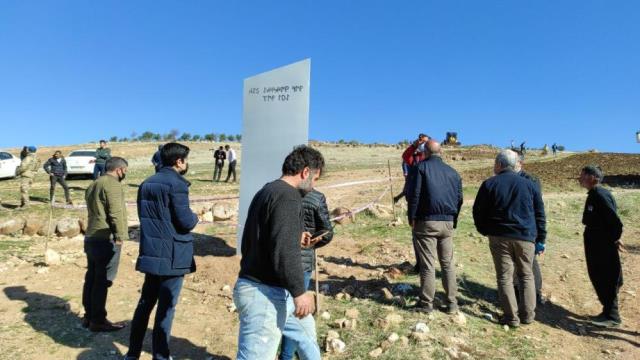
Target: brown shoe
(106, 326)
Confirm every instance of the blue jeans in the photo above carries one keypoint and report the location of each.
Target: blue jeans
(289, 346)
(266, 314)
(98, 170)
(163, 290)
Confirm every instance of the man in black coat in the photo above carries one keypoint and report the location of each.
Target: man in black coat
(434, 195)
(56, 167)
(602, 245)
(166, 249)
(510, 211)
(219, 156)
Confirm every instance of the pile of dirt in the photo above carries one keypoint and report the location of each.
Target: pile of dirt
(619, 169)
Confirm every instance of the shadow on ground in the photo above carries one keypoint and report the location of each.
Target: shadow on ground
(50, 315)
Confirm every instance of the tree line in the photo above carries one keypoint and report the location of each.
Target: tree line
(174, 135)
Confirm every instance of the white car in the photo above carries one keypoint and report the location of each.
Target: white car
(8, 165)
(81, 162)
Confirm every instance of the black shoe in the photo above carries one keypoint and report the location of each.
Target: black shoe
(422, 308)
(85, 322)
(607, 323)
(415, 270)
(106, 326)
(449, 309)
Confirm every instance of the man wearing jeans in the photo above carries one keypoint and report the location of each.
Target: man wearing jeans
(435, 199)
(107, 229)
(509, 210)
(103, 153)
(56, 167)
(270, 295)
(166, 249)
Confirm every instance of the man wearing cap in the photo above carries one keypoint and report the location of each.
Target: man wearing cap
(27, 170)
(602, 245)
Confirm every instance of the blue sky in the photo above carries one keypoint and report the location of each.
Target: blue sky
(540, 71)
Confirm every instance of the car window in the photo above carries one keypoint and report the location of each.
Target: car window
(83, 153)
(5, 156)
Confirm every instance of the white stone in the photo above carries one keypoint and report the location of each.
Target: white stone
(337, 346)
(51, 257)
(325, 315)
(393, 337)
(375, 352)
(421, 328)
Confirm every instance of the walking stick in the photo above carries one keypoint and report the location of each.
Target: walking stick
(393, 203)
(46, 242)
(315, 275)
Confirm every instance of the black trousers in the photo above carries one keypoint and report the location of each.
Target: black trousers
(605, 270)
(217, 172)
(52, 190)
(232, 170)
(103, 258)
(163, 290)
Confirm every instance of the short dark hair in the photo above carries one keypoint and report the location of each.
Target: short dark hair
(226, 146)
(302, 156)
(115, 162)
(171, 152)
(594, 170)
(57, 152)
(103, 141)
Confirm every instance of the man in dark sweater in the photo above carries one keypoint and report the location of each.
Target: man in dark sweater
(435, 198)
(103, 153)
(510, 211)
(56, 167)
(602, 245)
(270, 285)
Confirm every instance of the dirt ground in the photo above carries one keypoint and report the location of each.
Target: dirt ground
(40, 307)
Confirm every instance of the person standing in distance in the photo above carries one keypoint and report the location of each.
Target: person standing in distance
(27, 171)
(103, 153)
(270, 295)
(219, 156)
(231, 156)
(166, 249)
(56, 167)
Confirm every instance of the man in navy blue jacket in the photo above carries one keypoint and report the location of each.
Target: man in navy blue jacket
(510, 211)
(435, 198)
(166, 248)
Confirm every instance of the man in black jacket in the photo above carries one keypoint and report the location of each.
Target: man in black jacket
(219, 156)
(270, 285)
(56, 167)
(510, 211)
(435, 199)
(602, 245)
(316, 221)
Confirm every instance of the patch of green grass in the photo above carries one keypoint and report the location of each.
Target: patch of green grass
(10, 248)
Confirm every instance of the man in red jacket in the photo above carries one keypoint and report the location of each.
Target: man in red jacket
(411, 156)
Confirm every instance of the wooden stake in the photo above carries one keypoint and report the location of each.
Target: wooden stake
(393, 203)
(315, 275)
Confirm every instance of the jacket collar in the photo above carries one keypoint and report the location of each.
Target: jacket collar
(170, 171)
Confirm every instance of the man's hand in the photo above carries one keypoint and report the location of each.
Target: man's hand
(305, 305)
(305, 239)
(620, 246)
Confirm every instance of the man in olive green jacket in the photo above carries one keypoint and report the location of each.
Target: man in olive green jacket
(103, 153)
(107, 229)
(27, 170)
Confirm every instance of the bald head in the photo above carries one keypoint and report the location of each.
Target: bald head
(433, 147)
